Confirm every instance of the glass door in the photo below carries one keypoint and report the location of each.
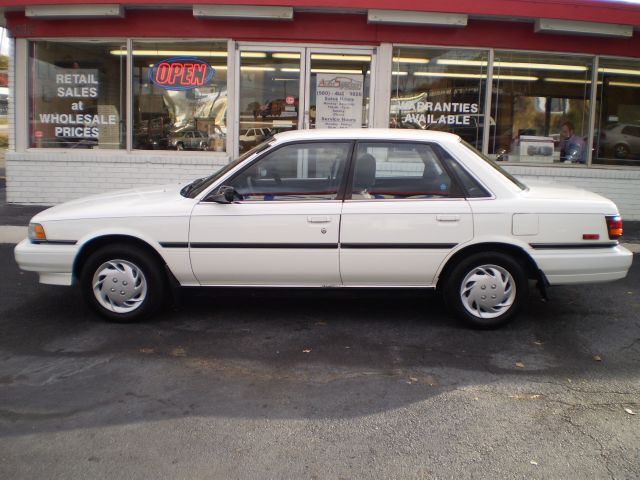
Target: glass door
(270, 87)
(338, 88)
(288, 88)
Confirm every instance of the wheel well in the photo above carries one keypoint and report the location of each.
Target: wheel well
(99, 242)
(531, 268)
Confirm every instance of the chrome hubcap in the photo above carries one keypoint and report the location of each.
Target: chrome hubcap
(488, 291)
(119, 286)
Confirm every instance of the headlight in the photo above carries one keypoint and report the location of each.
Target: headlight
(36, 233)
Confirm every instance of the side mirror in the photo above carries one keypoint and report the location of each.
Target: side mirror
(225, 194)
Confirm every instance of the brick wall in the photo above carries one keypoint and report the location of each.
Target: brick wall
(48, 178)
(621, 186)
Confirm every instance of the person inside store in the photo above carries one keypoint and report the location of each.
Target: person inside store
(573, 149)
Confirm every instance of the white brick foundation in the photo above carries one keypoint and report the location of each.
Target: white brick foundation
(48, 178)
(621, 186)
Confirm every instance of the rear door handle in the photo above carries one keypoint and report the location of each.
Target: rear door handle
(448, 218)
(318, 219)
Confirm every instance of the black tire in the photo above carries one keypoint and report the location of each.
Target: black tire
(119, 258)
(486, 274)
(180, 146)
(621, 151)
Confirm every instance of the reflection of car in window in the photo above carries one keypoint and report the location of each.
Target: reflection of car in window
(253, 136)
(189, 140)
(621, 140)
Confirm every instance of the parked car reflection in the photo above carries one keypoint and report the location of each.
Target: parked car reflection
(621, 140)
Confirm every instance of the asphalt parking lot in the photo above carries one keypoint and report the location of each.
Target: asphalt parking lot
(318, 384)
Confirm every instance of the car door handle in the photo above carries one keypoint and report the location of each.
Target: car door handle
(448, 218)
(318, 219)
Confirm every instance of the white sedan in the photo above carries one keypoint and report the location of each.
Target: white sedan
(334, 208)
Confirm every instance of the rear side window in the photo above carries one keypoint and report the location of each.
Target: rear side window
(469, 184)
(399, 170)
(631, 130)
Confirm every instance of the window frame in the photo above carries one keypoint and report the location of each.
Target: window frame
(22, 92)
(22, 139)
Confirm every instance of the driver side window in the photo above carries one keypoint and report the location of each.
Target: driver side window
(303, 171)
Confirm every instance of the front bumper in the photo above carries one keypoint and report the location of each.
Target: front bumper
(564, 267)
(54, 263)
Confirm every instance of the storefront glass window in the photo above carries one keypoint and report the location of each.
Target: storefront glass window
(439, 89)
(540, 107)
(180, 96)
(617, 134)
(269, 95)
(77, 94)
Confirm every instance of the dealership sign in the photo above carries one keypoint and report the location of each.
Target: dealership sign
(181, 73)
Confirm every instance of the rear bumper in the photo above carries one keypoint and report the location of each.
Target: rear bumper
(562, 267)
(54, 263)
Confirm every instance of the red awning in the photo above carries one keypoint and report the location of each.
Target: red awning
(603, 11)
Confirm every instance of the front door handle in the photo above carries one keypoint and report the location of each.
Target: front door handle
(448, 218)
(318, 219)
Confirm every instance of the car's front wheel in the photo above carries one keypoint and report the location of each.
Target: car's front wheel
(122, 283)
(486, 290)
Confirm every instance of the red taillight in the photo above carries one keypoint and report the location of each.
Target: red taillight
(614, 226)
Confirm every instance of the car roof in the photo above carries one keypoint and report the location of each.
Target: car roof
(367, 134)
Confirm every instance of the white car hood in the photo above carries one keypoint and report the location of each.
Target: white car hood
(147, 201)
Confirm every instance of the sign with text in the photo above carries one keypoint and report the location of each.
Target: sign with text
(79, 87)
(425, 113)
(181, 73)
(339, 100)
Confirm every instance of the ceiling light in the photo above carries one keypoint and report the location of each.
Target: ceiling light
(568, 80)
(619, 71)
(346, 58)
(253, 54)
(334, 70)
(290, 70)
(171, 53)
(624, 84)
(521, 78)
(289, 56)
(410, 60)
(524, 65)
(257, 69)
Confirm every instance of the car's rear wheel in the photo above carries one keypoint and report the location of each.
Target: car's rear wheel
(486, 290)
(621, 150)
(122, 283)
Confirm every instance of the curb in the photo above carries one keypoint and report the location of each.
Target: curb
(10, 234)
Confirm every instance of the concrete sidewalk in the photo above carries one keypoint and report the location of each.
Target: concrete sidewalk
(15, 218)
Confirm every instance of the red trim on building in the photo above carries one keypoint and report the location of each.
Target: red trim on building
(320, 28)
(607, 11)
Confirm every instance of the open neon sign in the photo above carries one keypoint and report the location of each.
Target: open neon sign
(181, 73)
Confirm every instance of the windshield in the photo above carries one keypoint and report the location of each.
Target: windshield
(196, 187)
(506, 174)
